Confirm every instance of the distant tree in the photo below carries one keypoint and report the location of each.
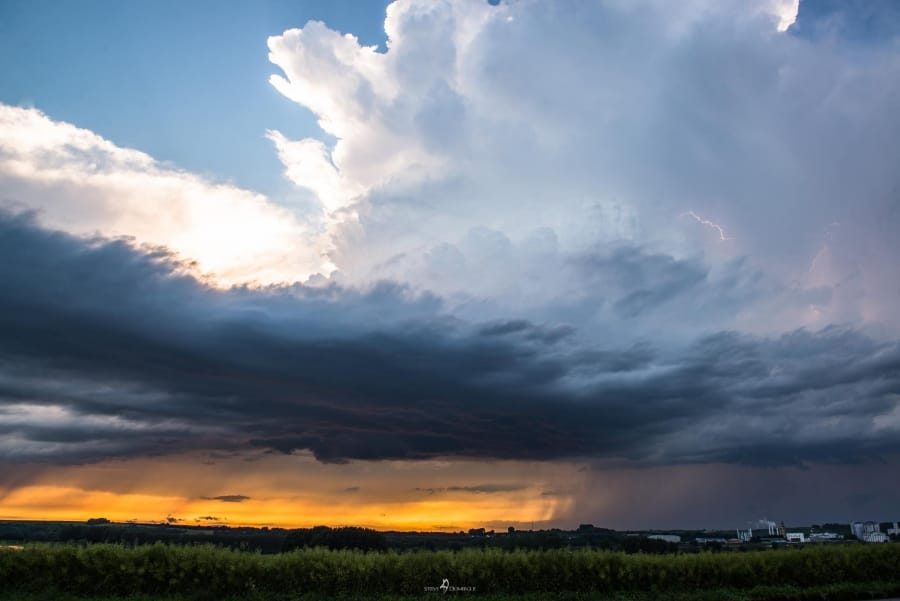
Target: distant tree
(353, 537)
(95, 521)
(631, 544)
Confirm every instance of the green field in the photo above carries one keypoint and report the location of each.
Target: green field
(847, 592)
(59, 571)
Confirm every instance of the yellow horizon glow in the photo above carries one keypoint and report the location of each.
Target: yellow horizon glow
(69, 504)
(294, 491)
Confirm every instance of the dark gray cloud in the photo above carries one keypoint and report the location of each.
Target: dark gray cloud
(644, 281)
(228, 498)
(527, 330)
(107, 350)
(488, 488)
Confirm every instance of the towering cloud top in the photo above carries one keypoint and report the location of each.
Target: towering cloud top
(487, 146)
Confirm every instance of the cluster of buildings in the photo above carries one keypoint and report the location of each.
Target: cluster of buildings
(870, 532)
(867, 532)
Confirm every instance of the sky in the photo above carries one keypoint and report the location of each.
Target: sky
(446, 264)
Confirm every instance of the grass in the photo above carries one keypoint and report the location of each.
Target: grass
(206, 573)
(834, 592)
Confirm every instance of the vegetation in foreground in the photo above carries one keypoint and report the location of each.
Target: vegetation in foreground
(162, 571)
(834, 592)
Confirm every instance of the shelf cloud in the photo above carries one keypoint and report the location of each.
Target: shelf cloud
(108, 350)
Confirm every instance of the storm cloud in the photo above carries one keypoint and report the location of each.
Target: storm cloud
(632, 273)
(107, 349)
(228, 498)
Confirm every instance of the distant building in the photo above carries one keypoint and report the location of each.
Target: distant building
(669, 538)
(795, 537)
(867, 531)
(775, 540)
(824, 537)
(710, 541)
(894, 531)
(745, 535)
(769, 525)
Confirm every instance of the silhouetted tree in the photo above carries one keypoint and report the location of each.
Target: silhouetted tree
(351, 537)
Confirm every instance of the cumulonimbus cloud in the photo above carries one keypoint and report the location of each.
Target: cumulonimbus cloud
(472, 161)
(529, 244)
(387, 373)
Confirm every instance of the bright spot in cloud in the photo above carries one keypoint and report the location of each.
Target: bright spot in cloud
(787, 11)
(83, 184)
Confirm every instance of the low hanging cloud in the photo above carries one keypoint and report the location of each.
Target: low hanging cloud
(386, 373)
(228, 498)
(476, 489)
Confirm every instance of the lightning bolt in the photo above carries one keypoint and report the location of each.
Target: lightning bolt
(816, 258)
(708, 223)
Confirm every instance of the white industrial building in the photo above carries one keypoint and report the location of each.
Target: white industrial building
(894, 531)
(669, 538)
(771, 527)
(824, 537)
(710, 541)
(868, 532)
(796, 537)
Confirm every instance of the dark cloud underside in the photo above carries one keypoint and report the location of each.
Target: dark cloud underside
(228, 498)
(106, 350)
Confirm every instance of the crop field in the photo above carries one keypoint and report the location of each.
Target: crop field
(206, 572)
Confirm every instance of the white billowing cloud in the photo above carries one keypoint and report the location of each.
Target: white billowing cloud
(83, 184)
(504, 156)
(345, 84)
(308, 164)
(786, 10)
